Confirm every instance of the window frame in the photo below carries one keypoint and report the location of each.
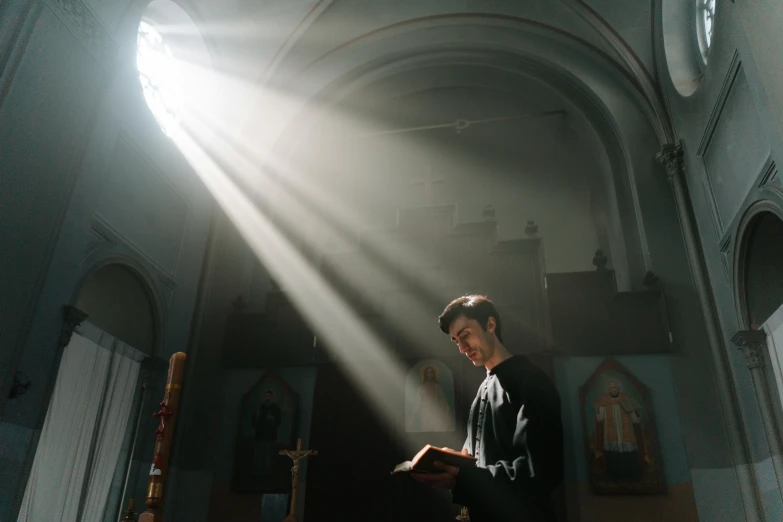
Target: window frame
(165, 113)
(705, 39)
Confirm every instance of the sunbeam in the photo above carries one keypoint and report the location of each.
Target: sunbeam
(352, 344)
(281, 208)
(304, 204)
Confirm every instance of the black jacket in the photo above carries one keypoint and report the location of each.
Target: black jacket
(517, 436)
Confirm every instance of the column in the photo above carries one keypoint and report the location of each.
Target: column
(671, 157)
(753, 344)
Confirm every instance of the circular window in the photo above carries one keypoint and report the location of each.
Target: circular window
(705, 21)
(683, 42)
(157, 73)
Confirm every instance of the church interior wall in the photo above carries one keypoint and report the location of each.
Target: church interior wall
(34, 209)
(731, 131)
(41, 155)
(759, 22)
(562, 146)
(526, 167)
(373, 16)
(698, 406)
(619, 108)
(649, 219)
(678, 502)
(225, 503)
(192, 459)
(87, 174)
(81, 159)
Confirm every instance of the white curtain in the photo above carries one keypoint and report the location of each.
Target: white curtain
(83, 430)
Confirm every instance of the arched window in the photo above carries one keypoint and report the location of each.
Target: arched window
(157, 70)
(172, 61)
(705, 22)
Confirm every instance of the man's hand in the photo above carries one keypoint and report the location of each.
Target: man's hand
(464, 451)
(445, 480)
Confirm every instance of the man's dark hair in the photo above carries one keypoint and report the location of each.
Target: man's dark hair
(476, 307)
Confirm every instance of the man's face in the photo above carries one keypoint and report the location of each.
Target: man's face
(614, 389)
(477, 345)
(429, 374)
(267, 398)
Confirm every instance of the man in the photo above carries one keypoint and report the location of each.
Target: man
(619, 439)
(514, 426)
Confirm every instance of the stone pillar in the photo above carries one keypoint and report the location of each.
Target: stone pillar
(753, 344)
(671, 157)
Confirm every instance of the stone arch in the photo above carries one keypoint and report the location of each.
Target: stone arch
(529, 41)
(628, 123)
(758, 263)
(119, 297)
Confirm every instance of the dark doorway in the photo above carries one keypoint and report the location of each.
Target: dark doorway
(762, 267)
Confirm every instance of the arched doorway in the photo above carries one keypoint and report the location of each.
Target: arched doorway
(760, 267)
(80, 468)
(117, 301)
(759, 292)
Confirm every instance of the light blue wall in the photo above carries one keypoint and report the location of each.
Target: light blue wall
(654, 371)
(14, 439)
(731, 130)
(76, 143)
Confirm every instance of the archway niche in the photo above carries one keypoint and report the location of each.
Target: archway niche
(117, 301)
(761, 267)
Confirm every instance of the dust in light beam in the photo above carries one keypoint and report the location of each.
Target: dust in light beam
(229, 165)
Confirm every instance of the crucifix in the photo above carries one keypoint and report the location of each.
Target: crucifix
(428, 181)
(295, 456)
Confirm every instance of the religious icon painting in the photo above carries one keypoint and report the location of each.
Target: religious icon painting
(429, 398)
(267, 424)
(620, 435)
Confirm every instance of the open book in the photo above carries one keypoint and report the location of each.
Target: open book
(424, 460)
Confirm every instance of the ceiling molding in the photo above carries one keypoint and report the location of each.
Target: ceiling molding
(647, 84)
(319, 8)
(623, 60)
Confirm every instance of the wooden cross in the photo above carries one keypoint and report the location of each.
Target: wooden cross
(427, 181)
(295, 456)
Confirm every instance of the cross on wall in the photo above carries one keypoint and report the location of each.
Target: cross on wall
(430, 183)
